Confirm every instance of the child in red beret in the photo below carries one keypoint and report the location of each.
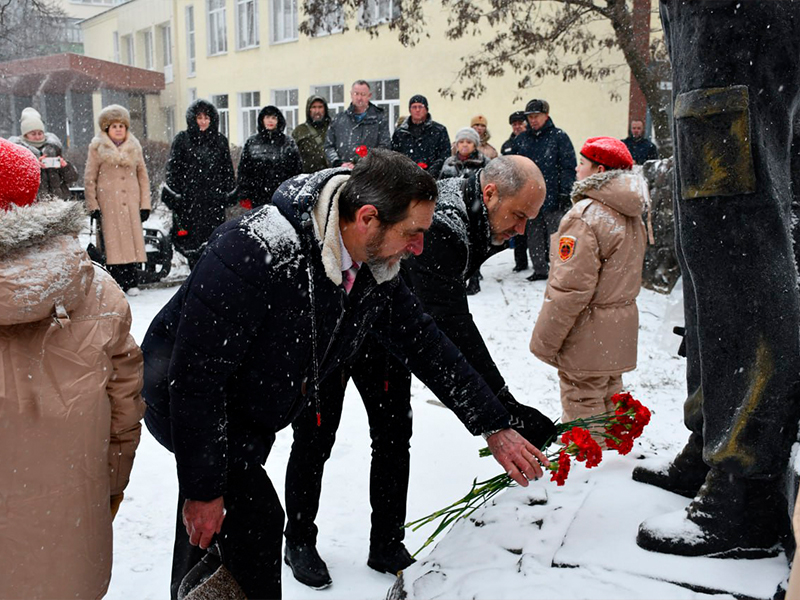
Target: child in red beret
(588, 325)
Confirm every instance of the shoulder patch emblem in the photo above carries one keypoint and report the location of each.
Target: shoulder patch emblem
(566, 247)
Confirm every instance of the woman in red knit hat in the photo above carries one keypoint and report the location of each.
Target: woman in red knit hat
(588, 325)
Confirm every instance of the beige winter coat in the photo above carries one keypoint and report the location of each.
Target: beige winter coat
(70, 406)
(116, 182)
(589, 320)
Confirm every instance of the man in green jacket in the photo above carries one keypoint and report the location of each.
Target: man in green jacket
(310, 136)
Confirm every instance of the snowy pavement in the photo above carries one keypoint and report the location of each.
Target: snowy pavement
(577, 544)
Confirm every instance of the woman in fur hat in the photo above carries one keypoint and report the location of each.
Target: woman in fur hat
(57, 173)
(118, 191)
(70, 403)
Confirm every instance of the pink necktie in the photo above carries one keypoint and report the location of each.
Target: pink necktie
(348, 277)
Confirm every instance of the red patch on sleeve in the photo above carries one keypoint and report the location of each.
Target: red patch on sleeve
(566, 247)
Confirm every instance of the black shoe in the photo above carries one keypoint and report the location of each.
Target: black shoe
(390, 559)
(307, 566)
(536, 277)
(730, 517)
(519, 268)
(473, 286)
(684, 475)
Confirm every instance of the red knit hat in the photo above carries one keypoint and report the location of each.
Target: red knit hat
(20, 174)
(609, 152)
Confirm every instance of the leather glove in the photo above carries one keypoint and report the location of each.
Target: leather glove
(95, 214)
(116, 500)
(144, 214)
(528, 422)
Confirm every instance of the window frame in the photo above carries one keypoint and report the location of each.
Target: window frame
(245, 112)
(224, 113)
(291, 112)
(379, 99)
(369, 13)
(149, 49)
(334, 108)
(216, 46)
(242, 12)
(274, 36)
(191, 46)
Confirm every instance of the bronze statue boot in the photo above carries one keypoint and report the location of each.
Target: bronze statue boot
(684, 475)
(731, 517)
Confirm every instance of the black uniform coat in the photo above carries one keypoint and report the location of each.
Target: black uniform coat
(641, 149)
(226, 358)
(199, 178)
(427, 143)
(552, 151)
(269, 158)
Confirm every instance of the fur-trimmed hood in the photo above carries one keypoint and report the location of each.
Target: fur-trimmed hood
(126, 155)
(44, 268)
(624, 191)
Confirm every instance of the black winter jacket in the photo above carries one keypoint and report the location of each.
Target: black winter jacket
(346, 133)
(641, 149)
(269, 158)
(229, 358)
(552, 151)
(427, 143)
(199, 179)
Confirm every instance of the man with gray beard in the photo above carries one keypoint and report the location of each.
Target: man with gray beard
(473, 220)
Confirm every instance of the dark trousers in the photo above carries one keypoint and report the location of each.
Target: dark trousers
(385, 387)
(125, 275)
(736, 93)
(251, 535)
(521, 250)
(538, 231)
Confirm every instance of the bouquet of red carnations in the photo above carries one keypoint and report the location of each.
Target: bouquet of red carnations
(618, 429)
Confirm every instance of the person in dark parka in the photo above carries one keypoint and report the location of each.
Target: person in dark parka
(199, 180)
(422, 139)
(736, 97)
(640, 147)
(472, 221)
(264, 319)
(269, 158)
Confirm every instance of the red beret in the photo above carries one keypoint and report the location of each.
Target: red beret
(20, 174)
(609, 152)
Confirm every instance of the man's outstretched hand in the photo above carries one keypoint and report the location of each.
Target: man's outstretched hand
(522, 460)
(203, 520)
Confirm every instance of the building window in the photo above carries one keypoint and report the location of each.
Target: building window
(333, 94)
(192, 95)
(221, 102)
(283, 16)
(115, 39)
(169, 122)
(217, 33)
(148, 49)
(375, 12)
(130, 55)
(166, 48)
(247, 24)
(249, 107)
(190, 51)
(386, 94)
(287, 101)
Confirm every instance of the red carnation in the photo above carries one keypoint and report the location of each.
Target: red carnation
(579, 442)
(362, 150)
(560, 469)
(422, 165)
(182, 233)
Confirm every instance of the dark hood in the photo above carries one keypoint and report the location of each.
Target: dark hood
(271, 111)
(326, 119)
(197, 107)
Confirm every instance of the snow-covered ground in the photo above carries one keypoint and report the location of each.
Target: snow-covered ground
(519, 547)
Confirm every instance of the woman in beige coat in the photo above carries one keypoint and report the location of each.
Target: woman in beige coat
(70, 404)
(588, 325)
(118, 190)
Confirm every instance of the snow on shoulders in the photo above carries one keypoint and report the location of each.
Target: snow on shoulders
(274, 234)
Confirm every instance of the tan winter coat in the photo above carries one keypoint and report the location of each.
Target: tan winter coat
(589, 320)
(70, 406)
(116, 182)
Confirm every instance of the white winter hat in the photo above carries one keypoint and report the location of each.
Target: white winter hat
(30, 120)
(468, 133)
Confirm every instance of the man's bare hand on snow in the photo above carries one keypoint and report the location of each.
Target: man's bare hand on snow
(522, 460)
(203, 520)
